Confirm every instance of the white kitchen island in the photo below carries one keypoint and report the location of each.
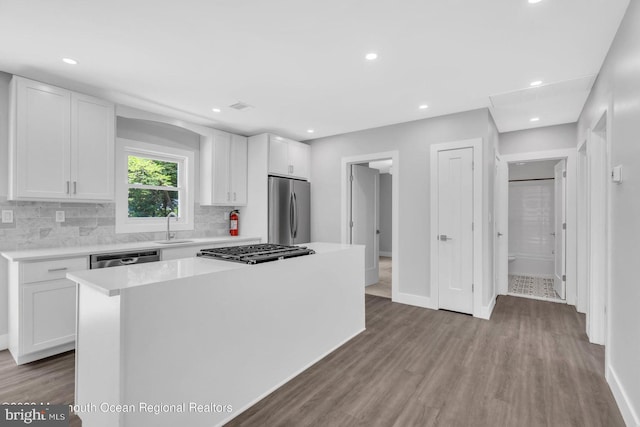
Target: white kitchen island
(196, 341)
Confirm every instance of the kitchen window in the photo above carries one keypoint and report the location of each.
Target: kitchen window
(152, 182)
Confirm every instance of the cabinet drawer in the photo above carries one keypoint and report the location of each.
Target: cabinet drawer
(52, 269)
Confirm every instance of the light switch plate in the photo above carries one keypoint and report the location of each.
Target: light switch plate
(59, 216)
(7, 216)
(616, 174)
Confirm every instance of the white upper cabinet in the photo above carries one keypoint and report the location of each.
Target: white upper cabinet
(61, 144)
(288, 158)
(223, 169)
(238, 169)
(92, 148)
(279, 155)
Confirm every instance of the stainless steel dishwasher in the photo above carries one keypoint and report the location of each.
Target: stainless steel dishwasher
(116, 259)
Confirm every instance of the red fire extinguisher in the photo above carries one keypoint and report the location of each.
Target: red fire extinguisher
(234, 217)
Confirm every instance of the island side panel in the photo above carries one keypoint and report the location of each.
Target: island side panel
(232, 337)
(97, 357)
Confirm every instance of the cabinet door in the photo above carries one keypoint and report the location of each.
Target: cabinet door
(92, 148)
(278, 155)
(299, 157)
(42, 141)
(220, 164)
(49, 315)
(238, 170)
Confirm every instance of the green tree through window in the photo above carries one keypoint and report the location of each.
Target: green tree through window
(153, 187)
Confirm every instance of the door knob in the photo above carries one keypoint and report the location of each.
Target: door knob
(499, 234)
(377, 231)
(444, 237)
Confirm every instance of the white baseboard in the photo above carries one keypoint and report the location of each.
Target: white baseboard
(628, 412)
(415, 300)
(387, 254)
(4, 342)
(485, 312)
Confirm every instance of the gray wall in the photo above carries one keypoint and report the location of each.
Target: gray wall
(412, 140)
(538, 139)
(34, 223)
(617, 90)
(533, 170)
(385, 212)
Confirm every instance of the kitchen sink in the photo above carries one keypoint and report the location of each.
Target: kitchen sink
(173, 241)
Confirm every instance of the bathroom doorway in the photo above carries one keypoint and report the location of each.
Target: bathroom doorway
(537, 229)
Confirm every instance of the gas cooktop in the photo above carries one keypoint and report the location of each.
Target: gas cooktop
(255, 254)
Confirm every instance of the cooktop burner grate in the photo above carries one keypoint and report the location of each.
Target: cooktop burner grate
(255, 254)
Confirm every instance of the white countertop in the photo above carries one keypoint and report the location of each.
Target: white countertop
(66, 252)
(111, 281)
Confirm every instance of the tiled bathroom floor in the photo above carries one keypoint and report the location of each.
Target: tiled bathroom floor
(530, 286)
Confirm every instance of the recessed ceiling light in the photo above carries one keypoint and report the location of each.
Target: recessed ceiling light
(534, 119)
(535, 83)
(216, 110)
(310, 131)
(521, 163)
(534, 1)
(70, 61)
(423, 107)
(371, 56)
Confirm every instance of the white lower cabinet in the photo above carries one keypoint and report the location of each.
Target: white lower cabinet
(42, 308)
(49, 314)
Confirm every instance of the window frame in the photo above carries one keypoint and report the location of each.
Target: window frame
(186, 188)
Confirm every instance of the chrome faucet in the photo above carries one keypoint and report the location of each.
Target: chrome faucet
(171, 214)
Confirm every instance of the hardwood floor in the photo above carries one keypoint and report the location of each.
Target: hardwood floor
(49, 380)
(530, 365)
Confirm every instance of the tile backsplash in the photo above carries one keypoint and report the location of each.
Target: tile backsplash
(34, 225)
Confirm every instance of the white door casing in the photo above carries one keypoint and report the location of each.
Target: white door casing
(365, 217)
(560, 219)
(502, 223)
(598, 181)
(582, 276)
(455, 229)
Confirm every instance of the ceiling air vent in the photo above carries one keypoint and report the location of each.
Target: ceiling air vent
(240, 106)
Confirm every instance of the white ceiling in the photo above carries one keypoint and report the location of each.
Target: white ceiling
(300, 63)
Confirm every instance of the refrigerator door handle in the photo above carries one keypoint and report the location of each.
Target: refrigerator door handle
(291, 214)
(295, 210)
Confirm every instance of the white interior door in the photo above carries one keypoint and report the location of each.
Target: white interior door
(455, 230)
(560, 217)
(365, 214)
(502, 227)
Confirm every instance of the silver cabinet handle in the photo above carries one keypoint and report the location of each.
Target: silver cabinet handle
(553, 234)
(68, 186)
(499, 234)
(228, 196)
(75, 187)
(51, 270)
(234, 196)
(444, 237)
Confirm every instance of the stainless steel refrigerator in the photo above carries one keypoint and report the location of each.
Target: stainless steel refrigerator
(289, 211)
